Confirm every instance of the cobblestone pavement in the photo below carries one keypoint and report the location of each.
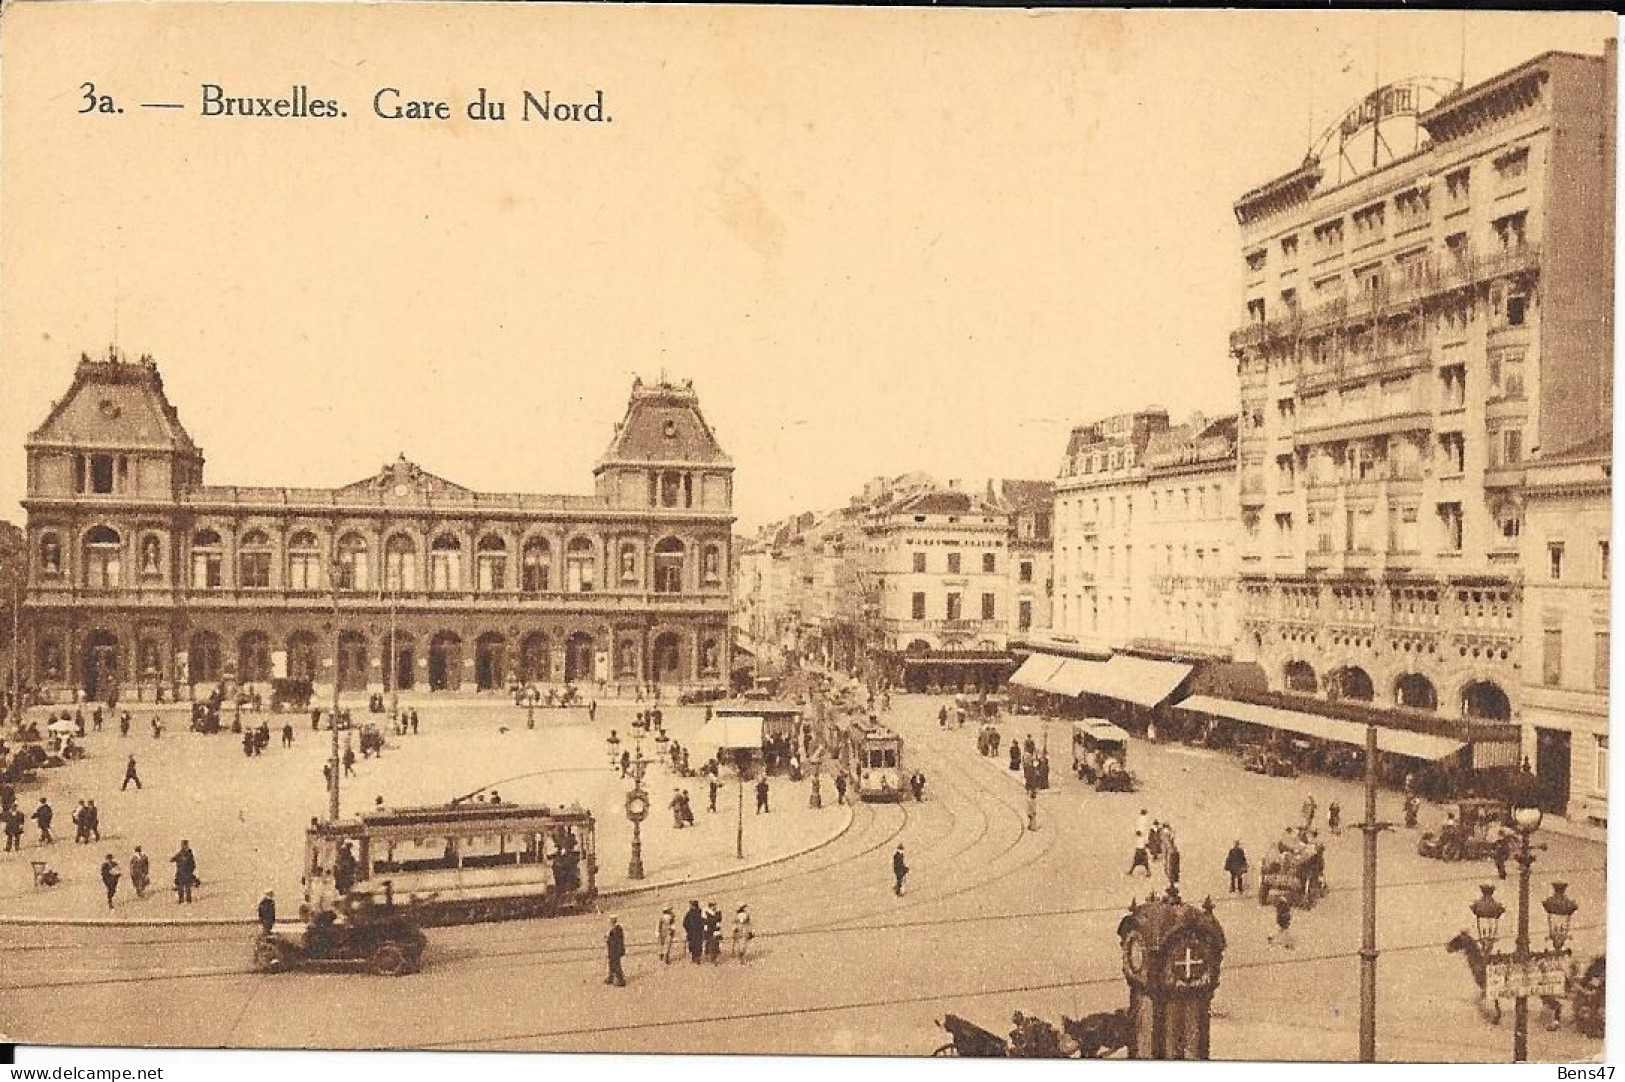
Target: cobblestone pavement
(245, 817)
(996, 918)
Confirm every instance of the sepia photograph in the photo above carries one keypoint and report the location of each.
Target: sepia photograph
(766, 531)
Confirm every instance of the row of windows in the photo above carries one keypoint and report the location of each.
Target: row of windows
(1552, 659)
(1556, 555)
(103, 558)
(990, 564)
(954, 607)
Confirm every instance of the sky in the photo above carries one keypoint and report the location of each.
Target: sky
(876, 240)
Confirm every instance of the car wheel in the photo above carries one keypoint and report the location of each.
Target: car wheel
(389, 961)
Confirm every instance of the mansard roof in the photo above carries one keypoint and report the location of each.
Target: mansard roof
(663, 424)
(943, 502)
(114, 402)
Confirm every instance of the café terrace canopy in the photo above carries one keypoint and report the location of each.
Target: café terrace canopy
(1394, 741)
(1037, 672)
(730, 731)
(1129, 679)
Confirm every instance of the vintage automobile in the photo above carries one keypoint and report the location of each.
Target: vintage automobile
(1266, 761)
(385, 941)
(1296, 872)
(1100, 756)
(1471, 832)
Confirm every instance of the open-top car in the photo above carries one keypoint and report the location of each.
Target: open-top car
(1471, 832)
(386, 942)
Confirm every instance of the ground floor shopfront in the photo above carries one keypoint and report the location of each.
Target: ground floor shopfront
(165, 656)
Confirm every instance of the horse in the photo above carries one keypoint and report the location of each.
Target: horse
(1465, 945)
(1098, 1035)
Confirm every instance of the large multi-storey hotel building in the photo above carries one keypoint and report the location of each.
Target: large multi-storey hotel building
(146, 578)
(1412, 335)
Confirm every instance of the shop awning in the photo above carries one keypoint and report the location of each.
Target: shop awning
(1394, 741)
(1037, 672)
(726, 731)
(1082, 678)
(1144, 682)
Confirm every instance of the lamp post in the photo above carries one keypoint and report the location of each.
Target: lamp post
(16, 642)
(637, 807)
(1517, 971)
(1368, 930)
(334, 570)
(394, 657)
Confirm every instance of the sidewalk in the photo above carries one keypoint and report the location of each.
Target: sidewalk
(245, 817)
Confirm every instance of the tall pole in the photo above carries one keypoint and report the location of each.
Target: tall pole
(394, 658)
(1521, 957)
(16, 646)
(739, 829)
(1368, 933)
(333, 789)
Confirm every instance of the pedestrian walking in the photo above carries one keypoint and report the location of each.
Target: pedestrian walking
(349, 761)
(666, 934)
(81, 827)
(14, 829)
(592, 710)
(1171, 866)
(130, 775)
(677, 808)
(615, 947)
(840, 788)
(942, 718)
(287, 734)
(267, 911)
(1502, 850)
(110, 872)
(96, 724)
(688, 810)
(1142, 859)
(140, 872)
(626, 763)
(42, 818)
(93, 823)
(1334, 817)
(713, 933)
(157, 728)
(414, 721)
(716, 787)
(1235, 863)
(761, 795)
(742, 932)
(694, 931)
(1309, 807)
(1032, 809)
(1153, 841)
(899, 870)
(1283, 925)
(185, 862)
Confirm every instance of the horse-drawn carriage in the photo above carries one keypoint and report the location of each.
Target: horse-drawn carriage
(1100, 756)
(1091, 1037)
(1297, 873)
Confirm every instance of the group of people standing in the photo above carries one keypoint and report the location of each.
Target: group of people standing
(1154, 841)
(701, 930)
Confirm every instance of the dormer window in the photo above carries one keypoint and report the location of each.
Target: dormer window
(671, 430)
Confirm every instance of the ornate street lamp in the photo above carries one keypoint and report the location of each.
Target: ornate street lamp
(637, 809)
(334, 571)
(1519, 970)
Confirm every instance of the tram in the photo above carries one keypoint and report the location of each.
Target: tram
(456, 863)
(873, 755)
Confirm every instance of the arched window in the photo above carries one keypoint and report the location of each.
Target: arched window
(304, 561)
(710, 658)
(628, 563)
(1415, 691)
(1300, 676)
(152, 559)
(1485, 701)
(254, 561)
(536, 566)
(50, 554)
(492, 559)
(400, 563)
(669, 566)
(1352, 683)
(580, 569)
(102, 549)
(445, 563)
(711, 565)
(352, 562)
(207, 561)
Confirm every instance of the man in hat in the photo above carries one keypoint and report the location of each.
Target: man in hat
(694, 931)
(110, 877)
(615, 944)
(130, 775)
(42, 817)
(713, 933)
(267, 911)
(1235, 863)
(899, 870)
(185, 862)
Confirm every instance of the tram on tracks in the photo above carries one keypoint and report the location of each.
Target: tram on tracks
(873, 756)
(456, 863)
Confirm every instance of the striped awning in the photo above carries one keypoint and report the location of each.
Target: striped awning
(1394, 741)
(1037, 672)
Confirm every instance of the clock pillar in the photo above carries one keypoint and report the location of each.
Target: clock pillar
(1172, 953)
